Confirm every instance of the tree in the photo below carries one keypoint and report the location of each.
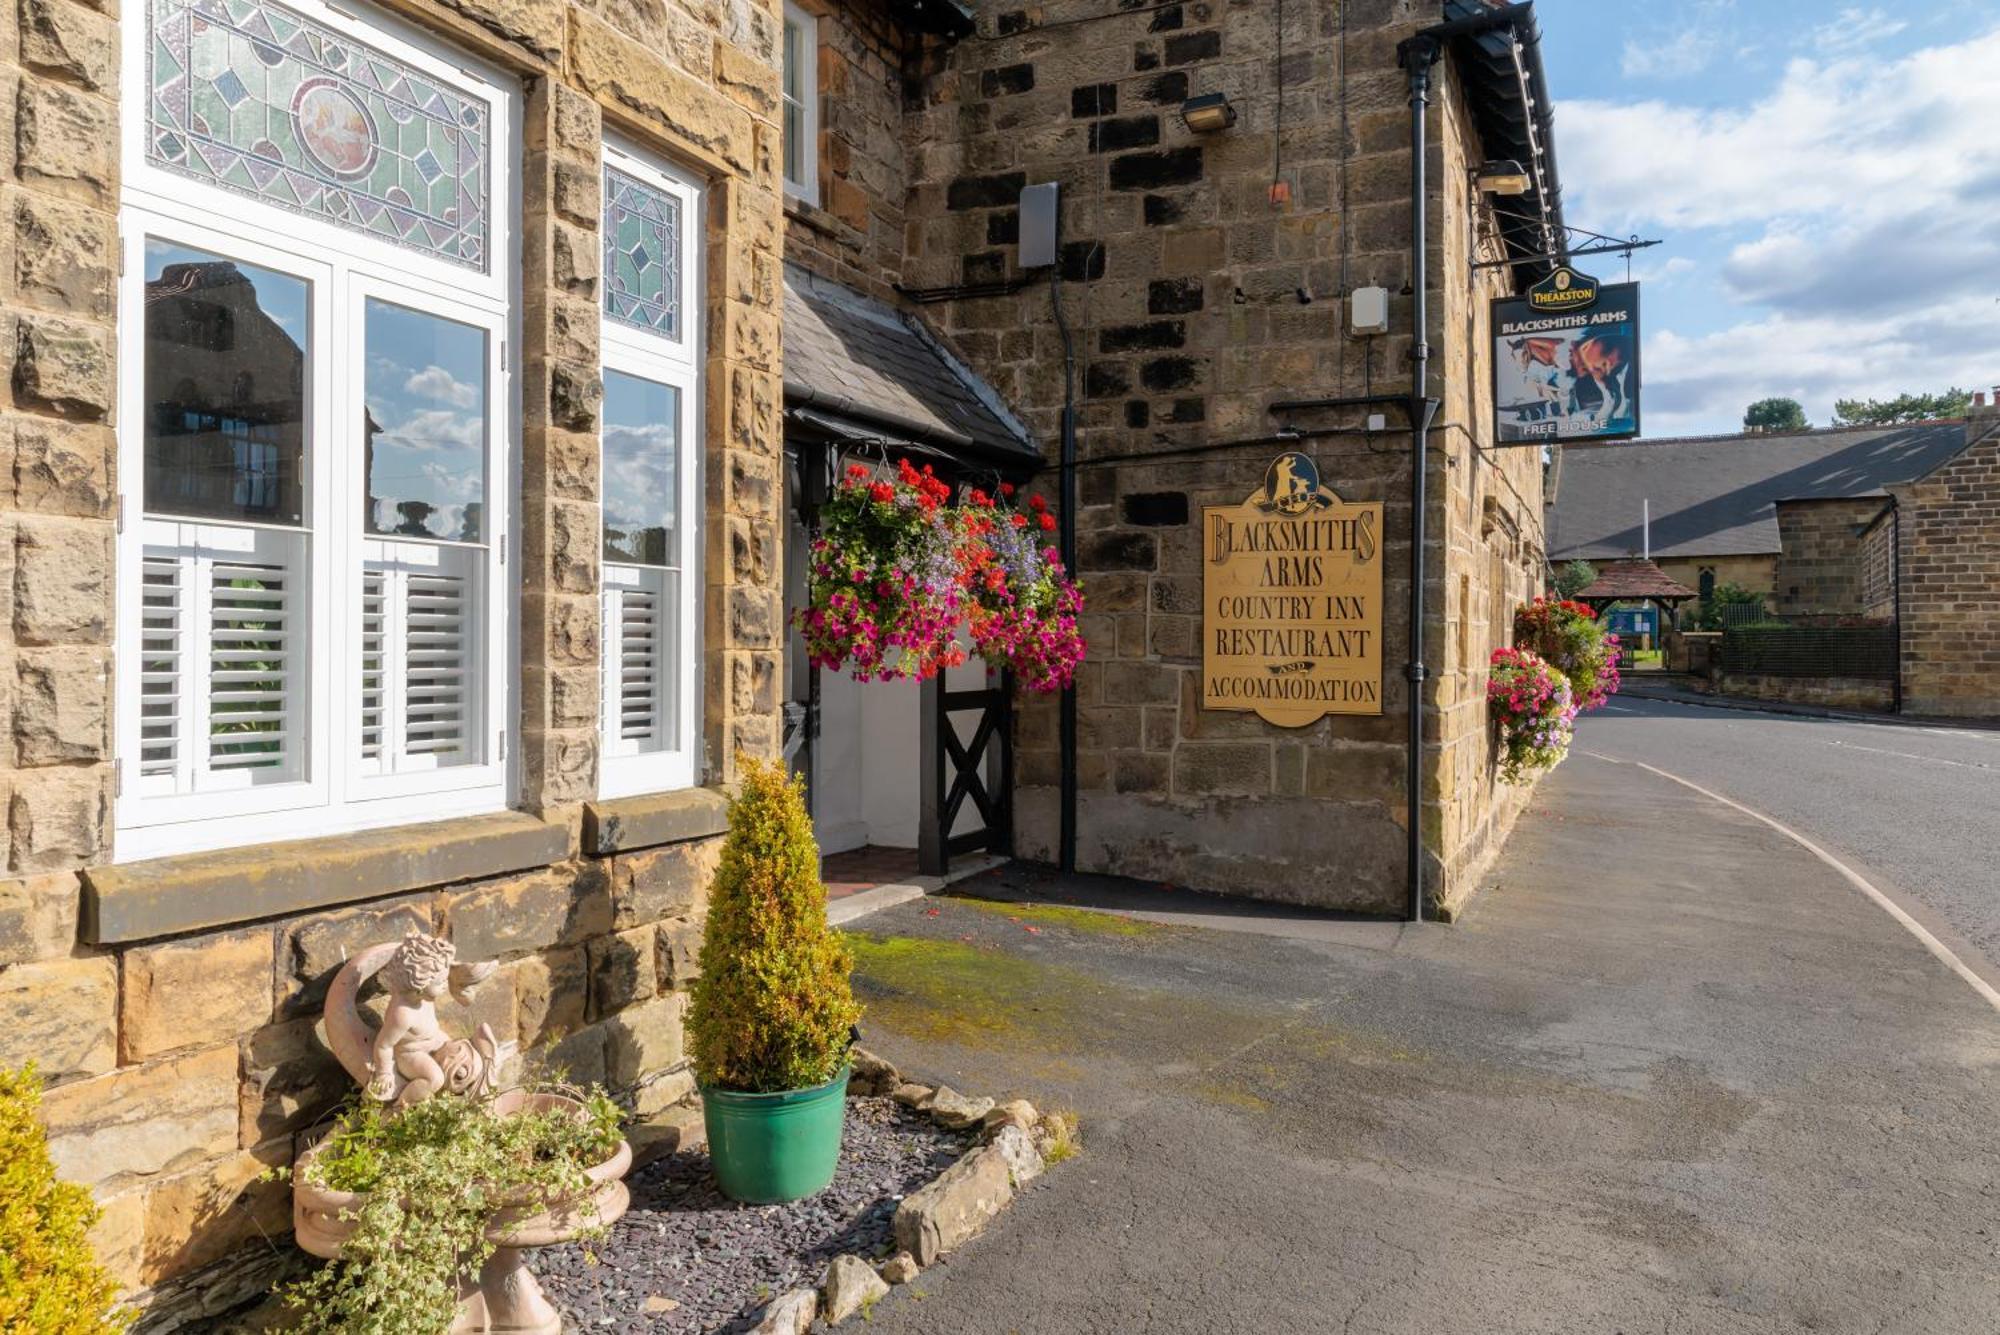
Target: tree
(1775, 415)
(1574, 578)
(1953, 402)
(772, 1008)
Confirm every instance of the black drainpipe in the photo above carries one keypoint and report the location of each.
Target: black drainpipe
(1418, 55)
(1066, 841)
(1896, 598)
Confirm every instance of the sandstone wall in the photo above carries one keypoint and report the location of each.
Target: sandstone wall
(853, 231)
(1859, 693)
(1757, 573)
(1822, 568)
(171, 1003)
(1197, 303)
(1949, 527)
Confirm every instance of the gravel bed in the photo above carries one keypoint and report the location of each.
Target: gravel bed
(684, 1242)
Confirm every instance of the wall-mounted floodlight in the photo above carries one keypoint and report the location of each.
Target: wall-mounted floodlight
(1502, 176)
(1208, 113)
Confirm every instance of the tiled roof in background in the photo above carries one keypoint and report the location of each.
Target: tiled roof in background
(1715, 495)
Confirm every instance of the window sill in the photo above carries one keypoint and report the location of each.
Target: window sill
(657, 818)
(816, 219)
(138, 901)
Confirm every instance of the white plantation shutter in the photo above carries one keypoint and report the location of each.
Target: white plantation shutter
(640, 660)
(420, 658)
(222, 657)
(650, 602)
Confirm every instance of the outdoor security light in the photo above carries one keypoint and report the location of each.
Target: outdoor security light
(1208, 112)
(1503, 176)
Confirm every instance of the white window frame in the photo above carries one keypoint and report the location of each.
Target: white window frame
(806, 186)
(678, 363)
(337, 793)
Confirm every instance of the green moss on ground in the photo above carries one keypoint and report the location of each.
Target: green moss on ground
(1061, 915)
(948, 991)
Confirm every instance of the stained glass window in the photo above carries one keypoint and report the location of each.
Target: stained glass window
(253, 97)
(642, 255)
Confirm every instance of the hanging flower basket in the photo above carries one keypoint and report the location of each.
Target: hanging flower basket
(898, 573)
(1568, 636)
(1531, 703)
(886, 594)
(1024, 609)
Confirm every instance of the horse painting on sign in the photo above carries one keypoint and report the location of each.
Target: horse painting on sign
(1568, 377)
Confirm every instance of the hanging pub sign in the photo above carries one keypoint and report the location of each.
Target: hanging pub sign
(1292, 601)
(1566, 360)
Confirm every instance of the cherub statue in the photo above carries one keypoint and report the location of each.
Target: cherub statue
(411, 1057)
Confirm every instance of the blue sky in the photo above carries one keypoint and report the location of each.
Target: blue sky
(1826, 179)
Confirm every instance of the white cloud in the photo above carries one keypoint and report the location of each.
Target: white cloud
(437, 429)
(1703, 383)
(1855, 28)
(1856, 202)
(1687, 52)
(1849, 136)
(1683, 51)
(434, 382)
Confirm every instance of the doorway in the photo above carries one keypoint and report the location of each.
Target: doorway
(901, 776)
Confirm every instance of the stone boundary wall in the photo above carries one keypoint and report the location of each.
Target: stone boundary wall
(172, 1004)
(1861, 693)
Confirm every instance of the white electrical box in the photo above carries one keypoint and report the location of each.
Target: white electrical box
(1368, 311)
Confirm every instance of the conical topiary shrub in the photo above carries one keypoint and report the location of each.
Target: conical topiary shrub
(50, 1281)
(772, 1009)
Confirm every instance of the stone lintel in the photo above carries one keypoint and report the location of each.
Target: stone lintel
(656, 818)
(139, 901)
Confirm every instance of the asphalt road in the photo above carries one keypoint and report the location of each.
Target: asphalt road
(1914, 809)
(1670, 1075)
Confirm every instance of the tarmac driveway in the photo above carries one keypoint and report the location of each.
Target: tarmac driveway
(1670, 1075)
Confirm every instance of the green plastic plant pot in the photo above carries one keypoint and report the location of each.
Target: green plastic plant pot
(769, 1148)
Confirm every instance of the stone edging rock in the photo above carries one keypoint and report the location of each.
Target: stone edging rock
(934, 1220)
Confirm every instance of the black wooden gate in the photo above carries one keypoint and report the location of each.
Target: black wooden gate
(978, 769)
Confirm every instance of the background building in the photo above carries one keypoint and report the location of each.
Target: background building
(1830, 528)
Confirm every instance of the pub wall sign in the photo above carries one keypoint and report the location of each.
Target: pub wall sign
(1292, 601)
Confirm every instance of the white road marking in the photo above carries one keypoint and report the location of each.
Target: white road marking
(1936, 947)
(1911, 755)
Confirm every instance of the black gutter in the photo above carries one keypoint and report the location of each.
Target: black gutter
(1066, 837)
(947, 439)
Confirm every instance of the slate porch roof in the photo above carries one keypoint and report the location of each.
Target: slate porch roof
(1619, 581)
(1717, 495)
(852, 358)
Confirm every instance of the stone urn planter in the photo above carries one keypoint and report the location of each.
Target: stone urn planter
(504, 1296)
(409, 1059)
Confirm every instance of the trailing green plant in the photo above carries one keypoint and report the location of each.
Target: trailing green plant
(1568, 636)
(772, 1009)
(51, 1283)
(431, 1177)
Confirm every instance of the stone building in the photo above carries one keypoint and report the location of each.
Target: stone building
(415, 412)
(1843, 527)
(1774, 513)
(1203, 277)
(1932, 558)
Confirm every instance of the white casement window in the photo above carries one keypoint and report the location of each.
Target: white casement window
(801, 98)
(316, 427)
(651, 586)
